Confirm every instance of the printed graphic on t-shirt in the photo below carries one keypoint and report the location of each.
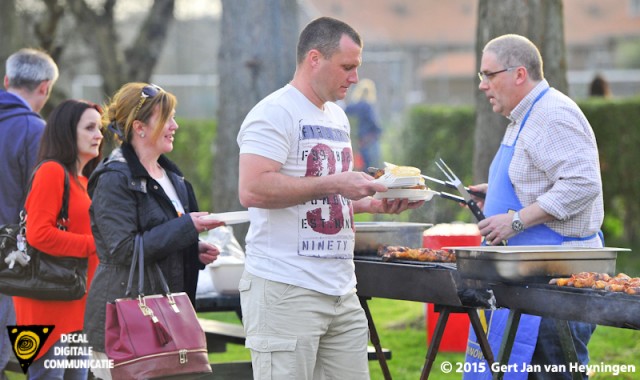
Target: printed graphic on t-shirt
(325, 225)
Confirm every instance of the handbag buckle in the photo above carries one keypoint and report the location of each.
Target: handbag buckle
(173, 304)
(183, 356)
(146, 310)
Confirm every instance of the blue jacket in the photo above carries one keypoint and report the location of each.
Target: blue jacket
(20, 133)
(366, 118)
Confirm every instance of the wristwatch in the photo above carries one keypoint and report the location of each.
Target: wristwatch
(516, 223)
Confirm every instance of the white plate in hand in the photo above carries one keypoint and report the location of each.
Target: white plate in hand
(413, 195)
(389, 180)
(233, 217)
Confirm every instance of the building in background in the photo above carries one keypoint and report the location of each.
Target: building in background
(417, 51)
(423, 51)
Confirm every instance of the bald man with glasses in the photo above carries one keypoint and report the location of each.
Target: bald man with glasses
(544, 188)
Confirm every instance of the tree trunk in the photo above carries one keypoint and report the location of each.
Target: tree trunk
(542, 22)
(136, 63)
(8, 30)
(257, 56)
(45, 29)
(146, 50)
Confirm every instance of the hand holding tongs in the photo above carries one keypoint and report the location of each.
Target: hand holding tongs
(455, 181)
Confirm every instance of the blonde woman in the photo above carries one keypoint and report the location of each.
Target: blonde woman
(138, 190)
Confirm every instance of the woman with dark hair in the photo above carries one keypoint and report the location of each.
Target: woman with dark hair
(71, 142)
(139, 191)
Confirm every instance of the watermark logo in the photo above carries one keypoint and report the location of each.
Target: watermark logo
(27, 341)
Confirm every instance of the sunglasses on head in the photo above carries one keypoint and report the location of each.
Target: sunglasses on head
(95, 106)
(148, 91)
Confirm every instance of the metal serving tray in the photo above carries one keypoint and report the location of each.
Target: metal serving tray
(532, 263)
(372, 235)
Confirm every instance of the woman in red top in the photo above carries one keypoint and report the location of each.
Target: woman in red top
(72, 138)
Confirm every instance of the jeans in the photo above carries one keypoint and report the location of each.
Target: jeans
(37, 370)
(7, 318)
(370, 154)
(548, 349)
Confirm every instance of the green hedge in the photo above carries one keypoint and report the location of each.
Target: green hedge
(193, 153)
(447, 132)
(439, 132)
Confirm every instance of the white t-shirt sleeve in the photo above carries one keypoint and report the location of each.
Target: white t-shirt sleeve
(267, 132)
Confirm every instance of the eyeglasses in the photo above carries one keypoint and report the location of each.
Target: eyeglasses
(148, 91)
(486, 76)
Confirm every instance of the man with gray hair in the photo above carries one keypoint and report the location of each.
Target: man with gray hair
(30, 76)
(544, 189)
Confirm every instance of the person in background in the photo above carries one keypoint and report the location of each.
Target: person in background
(544, 187)
(301, 313)
(29, 79)
(361, 109)
(71, 142)
(138, 190)
(599, 87)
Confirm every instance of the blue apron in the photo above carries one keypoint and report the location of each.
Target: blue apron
(501, 198)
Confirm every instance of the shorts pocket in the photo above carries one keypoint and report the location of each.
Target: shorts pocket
(244, 285)
(268, 348)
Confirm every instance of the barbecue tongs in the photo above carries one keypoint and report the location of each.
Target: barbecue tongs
(478, 194)
(455, 181)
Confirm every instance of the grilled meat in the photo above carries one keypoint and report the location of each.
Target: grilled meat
(602, 281)
(375, 172)
(418, 254)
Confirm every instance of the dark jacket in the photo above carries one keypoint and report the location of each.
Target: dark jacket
(20, 133)
(367, 121)
(126, 201)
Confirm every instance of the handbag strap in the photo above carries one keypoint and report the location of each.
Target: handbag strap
(132, 270)
(138, 258)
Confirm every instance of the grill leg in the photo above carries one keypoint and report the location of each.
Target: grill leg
(508, 339)
(481, 335)
(375, 340)
(568, 348)
(435, 342)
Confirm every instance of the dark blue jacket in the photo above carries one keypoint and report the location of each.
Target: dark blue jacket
(20, 133)
(367, 121)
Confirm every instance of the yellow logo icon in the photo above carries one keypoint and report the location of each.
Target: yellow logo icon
(26, 342)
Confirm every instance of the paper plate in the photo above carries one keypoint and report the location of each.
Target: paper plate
(393, 181)
(413, 195)
(233, 217)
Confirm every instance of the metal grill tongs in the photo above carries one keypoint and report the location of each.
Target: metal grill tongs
(477, 194)
(453, 178)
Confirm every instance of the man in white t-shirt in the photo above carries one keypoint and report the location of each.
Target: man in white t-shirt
(300, 310)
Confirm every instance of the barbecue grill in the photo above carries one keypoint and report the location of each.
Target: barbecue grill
(522, 291)
(436, 283)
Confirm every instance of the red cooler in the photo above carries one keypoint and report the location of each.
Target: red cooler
(456, 331)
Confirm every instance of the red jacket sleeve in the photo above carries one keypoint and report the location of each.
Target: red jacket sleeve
(43, 206)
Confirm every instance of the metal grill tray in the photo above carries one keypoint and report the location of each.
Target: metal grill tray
(372, 235)
(535, 252)
(532, 263)
(572, 304)
(426, 264)
(416, 281)
(594, 292)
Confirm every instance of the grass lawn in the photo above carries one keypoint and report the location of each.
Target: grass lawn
(401, 328)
